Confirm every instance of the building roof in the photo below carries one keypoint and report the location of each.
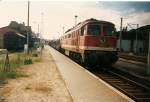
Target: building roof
(6, 29)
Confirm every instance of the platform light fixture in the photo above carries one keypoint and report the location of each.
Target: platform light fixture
(76, 19)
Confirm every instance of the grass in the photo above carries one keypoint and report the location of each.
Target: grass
(11, 74)
(37, 60)
(16, 60)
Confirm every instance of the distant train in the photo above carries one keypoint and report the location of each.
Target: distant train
(92, 43)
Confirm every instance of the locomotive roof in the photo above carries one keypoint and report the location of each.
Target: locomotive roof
(92, 20)
(95, 20)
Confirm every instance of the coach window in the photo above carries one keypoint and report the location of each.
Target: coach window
(72, 35)
(94, 29)
(82, 31)
(69, 35)
(77, 32)
(85, 30)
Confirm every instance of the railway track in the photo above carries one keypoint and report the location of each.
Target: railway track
(133, 57)
(133, 87)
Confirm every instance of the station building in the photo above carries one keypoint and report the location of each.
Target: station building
(10, 39)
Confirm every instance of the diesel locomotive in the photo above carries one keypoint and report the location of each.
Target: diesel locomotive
(91, 42)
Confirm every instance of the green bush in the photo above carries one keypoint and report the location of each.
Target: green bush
(28, 61)
(11, 74)
(1, 62)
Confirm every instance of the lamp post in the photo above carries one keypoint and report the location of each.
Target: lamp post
(136, 38)
(42, 27)
(76, 19)
(120, 37)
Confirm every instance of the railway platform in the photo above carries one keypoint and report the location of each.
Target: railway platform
(83, 85)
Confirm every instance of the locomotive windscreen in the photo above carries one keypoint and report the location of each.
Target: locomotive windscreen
(109, 30)
(94, 29)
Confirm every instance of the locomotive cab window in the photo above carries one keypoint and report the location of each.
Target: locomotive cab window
(94, 29)
(109, 30)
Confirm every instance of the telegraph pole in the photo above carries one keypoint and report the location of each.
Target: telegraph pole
(28, 26)
(148, 58)
(120, 37)
(136, 38)
(42, 27)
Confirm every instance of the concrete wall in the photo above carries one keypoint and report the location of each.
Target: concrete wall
(126, 45)
(139, 45)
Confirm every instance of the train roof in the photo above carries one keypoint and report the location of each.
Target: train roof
(95, 20)
(92, 20)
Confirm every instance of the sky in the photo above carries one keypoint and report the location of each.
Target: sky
(52, 16)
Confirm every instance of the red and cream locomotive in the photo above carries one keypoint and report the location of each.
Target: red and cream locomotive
(91, 42)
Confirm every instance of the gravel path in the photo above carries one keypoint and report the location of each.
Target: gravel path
(44, 84)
